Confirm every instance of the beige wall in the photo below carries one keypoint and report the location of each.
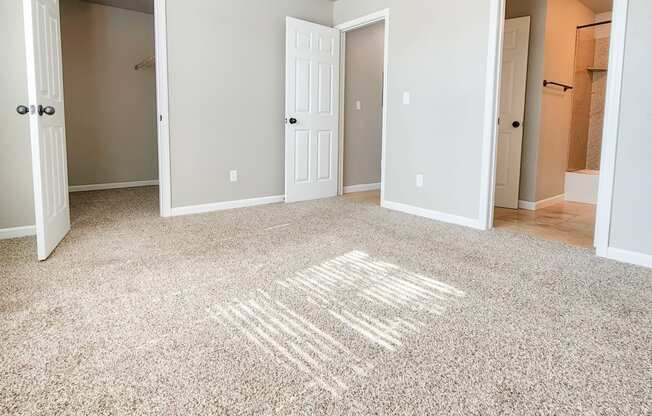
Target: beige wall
(537, 10)
(16, 192)
(227, 95)
(110, 107)
(562, 20)
(364, 84)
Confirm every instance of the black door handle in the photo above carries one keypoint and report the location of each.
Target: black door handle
(516, 124)
(22, 110)
(46, 110)
(293, 120)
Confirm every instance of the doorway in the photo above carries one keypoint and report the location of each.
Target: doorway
(359, 123)
(101, 56)
(556, 195)
(362, 79)
(110, 96)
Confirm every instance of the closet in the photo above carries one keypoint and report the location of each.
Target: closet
(110, 93)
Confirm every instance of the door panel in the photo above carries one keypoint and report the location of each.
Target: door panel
(312, 88)
(47, 131)
(325, 155)
(512, 110)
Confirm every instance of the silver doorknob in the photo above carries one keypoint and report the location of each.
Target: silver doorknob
(48, 110)
(22, 110)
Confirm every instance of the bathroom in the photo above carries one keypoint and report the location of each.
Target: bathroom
(590, 85)
(555, 69)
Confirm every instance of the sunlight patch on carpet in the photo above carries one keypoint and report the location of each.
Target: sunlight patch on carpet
(353, 295)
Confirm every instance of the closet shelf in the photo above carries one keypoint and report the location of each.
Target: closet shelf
(592, 69)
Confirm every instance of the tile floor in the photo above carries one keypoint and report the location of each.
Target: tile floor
(569, 222)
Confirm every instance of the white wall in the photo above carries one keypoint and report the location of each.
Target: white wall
(631, 227)
(227, 92)
(438, 52)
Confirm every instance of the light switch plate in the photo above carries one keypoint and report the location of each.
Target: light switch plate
(406, 98)
(358, 105)
(419, 181)
(233, 175)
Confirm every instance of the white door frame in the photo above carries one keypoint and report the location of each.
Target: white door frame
(162, 105)
(611, 126)
(379, 16)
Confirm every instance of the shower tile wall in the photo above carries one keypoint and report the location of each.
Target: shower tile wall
(589, 99)
(598, 95)
(585, 55)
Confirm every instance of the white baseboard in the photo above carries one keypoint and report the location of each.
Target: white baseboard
(434, 215)
(222, 206)
(631, 257)
(533, 206)
(17, 232)
(117, 185)
(361, 188)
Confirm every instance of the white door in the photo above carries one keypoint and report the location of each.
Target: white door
(47, 123)
(512, 111)
(312, 110)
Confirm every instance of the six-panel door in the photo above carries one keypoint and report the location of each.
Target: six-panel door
(47, 126)
(512, 110)
(312, 104)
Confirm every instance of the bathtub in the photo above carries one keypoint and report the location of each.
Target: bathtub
(582, 186)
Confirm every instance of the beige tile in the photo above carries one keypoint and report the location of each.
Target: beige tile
(372, 197)
(570, 222)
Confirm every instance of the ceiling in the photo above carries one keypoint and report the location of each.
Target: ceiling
(599, 6)
(145, 6)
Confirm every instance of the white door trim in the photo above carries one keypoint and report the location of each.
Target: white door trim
(162, 104)
(492, 112)
(382, 15)
(611, 130)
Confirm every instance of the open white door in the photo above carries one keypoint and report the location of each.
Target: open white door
(512, 111)
(47, 123)
(312, 110)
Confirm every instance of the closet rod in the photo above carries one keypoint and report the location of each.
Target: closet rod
(594, 24)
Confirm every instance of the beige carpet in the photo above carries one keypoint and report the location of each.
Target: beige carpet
(333, 307)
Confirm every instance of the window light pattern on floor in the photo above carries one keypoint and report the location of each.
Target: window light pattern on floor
(375, 281)
(376, 300)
